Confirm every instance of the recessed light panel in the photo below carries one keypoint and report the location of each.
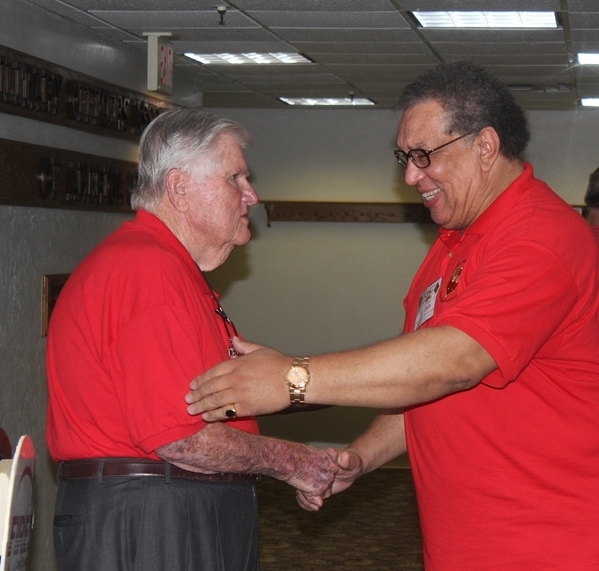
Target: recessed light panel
(588, 59)
(326, 101)
(590, 102)
(248, 58)
(489, 19)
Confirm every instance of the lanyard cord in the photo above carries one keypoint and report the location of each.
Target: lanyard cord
(229, 325)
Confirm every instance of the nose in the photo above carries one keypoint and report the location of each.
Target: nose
(413, 174)
(250, 195)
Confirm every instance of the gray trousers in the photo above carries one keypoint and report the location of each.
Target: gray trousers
(147, 524)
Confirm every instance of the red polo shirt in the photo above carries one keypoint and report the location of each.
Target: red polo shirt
(507, 473)
(133, 325)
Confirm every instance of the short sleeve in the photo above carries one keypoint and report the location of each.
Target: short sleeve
(514, 303)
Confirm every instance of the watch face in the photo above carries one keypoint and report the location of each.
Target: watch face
(297, 377)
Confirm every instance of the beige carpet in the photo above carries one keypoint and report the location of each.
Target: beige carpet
(373, 525)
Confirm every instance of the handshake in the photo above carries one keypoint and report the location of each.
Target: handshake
(324, 473)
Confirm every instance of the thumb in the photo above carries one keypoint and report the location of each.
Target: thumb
(344, 460)
(245, 347)
(350, 460)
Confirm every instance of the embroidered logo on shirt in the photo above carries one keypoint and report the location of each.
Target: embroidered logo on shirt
(453, 283)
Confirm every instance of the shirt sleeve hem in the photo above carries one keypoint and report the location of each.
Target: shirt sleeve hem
(506, 367)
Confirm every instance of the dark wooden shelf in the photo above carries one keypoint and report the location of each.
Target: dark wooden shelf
(289, 211)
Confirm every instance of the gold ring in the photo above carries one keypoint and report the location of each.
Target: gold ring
(230, 411)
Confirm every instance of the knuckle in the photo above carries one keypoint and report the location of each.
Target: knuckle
(207, 388)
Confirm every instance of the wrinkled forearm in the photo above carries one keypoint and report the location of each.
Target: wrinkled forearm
(220, 448)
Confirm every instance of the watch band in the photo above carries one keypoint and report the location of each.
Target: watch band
(300, 362)
(297, 395)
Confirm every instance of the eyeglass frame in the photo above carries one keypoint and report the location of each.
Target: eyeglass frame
(402, 157)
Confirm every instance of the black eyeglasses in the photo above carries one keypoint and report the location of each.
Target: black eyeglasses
(420, 157)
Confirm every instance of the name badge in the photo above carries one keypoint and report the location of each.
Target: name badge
(426, 306)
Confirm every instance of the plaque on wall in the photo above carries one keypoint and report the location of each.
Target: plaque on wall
(33, 175)
(41, 90)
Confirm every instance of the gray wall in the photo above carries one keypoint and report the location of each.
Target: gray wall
(308, 288)
(300, 287)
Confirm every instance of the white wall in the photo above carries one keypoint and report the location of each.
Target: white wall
(308, 288)
(565, 150)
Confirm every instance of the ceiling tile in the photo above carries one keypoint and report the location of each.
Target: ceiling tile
(332, 20)
(173, 19)
(315, 5)
(373, 47)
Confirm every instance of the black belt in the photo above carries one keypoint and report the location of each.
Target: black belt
(123, 468)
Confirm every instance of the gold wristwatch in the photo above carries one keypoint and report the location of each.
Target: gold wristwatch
(297, 377)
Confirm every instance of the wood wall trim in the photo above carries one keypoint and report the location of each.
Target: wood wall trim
(289, 211)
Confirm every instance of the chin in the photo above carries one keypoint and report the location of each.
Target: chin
(243, 239)
(438, 219)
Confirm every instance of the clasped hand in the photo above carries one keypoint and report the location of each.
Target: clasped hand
(253, 384)
(350, 468)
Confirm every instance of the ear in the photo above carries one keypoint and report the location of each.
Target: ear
(489, 145)
(176, 181)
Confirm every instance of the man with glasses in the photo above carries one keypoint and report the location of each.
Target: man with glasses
(493, 389)
(143, 486)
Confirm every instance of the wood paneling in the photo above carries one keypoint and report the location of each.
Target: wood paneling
(32, 175)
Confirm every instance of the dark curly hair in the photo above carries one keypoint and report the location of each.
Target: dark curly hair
(591, 198)
(473, 98)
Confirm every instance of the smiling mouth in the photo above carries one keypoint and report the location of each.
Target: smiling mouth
(427, 196)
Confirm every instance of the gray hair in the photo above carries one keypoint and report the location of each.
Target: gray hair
(176, 139)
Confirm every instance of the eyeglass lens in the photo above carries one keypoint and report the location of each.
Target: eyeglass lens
(420, 157)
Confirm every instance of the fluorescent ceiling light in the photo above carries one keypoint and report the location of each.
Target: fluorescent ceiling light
(486, 19)
(590, 102)
(326, 101)
(588, 59)
(248, 58)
